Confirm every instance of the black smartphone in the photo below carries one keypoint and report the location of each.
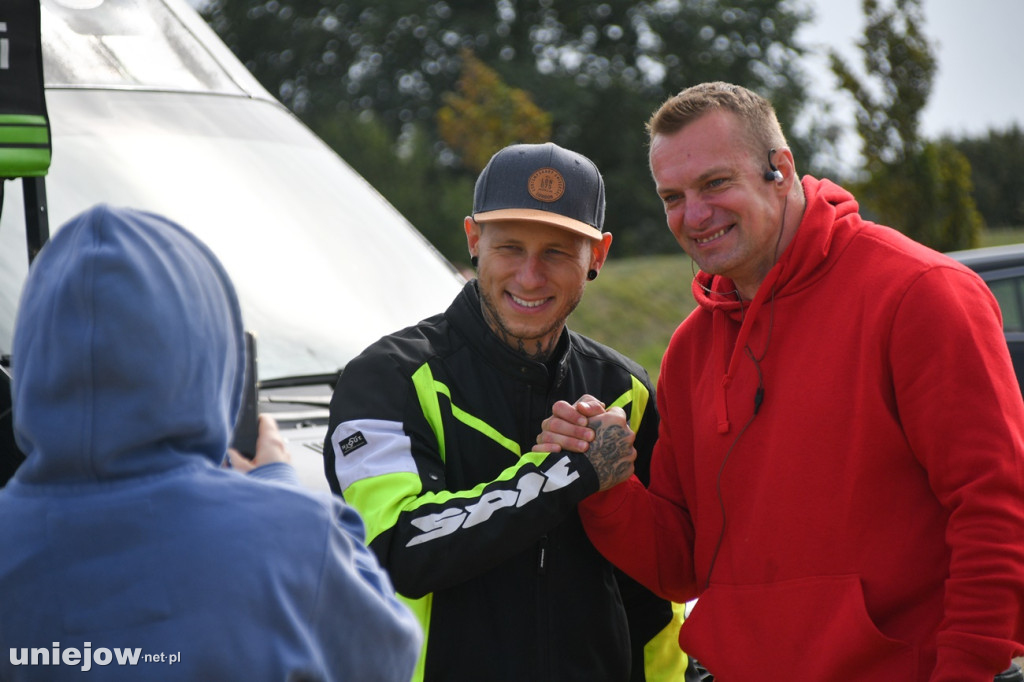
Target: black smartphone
(247, 426)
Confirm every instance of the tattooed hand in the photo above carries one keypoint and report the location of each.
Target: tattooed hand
(611, 452)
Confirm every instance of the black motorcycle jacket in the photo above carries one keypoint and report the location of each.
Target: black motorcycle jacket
(430, 438)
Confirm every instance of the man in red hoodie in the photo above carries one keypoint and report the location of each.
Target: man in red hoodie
(839, 473)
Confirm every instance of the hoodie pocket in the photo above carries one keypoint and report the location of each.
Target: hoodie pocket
(807, 630)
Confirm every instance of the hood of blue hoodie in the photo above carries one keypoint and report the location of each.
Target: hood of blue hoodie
(128, 353)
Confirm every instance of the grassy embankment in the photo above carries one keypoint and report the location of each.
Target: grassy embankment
(636, 303)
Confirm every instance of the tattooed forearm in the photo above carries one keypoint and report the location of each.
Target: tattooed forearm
(609, 453)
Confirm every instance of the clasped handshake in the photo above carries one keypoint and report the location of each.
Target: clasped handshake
(603, 435)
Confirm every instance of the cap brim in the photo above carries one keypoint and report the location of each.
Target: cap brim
(533, 215)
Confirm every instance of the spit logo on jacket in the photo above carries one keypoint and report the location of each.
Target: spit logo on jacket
(528, 489)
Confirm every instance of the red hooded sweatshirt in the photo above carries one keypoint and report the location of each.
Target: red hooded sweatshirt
(867, 522)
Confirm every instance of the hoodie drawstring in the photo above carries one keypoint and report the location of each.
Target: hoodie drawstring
(719, 327)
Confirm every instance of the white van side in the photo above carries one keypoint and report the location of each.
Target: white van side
(149, 109)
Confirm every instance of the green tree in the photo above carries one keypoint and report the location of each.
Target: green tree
(598, 67)
(486, 115)
(919, 187)
(404, 171)
(997, 173)
(398, 58)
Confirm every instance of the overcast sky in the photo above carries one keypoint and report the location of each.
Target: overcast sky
(980, 82)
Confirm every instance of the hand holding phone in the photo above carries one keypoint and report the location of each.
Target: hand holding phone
(247, 426)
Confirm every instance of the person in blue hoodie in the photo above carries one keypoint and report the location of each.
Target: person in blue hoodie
(127, 551)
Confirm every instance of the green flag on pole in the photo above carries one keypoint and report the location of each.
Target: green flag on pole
(24, 126)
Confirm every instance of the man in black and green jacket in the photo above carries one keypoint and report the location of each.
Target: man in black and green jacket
(430, 437)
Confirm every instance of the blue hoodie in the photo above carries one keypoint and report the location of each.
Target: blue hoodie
(126, 552)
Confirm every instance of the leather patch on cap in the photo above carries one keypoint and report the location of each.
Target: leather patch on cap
(546, 184)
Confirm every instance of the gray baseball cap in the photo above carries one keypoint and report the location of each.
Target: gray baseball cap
(541, 183)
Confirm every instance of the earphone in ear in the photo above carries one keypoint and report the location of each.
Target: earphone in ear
(773, 173)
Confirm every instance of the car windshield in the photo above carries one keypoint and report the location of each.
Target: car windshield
(322, 263)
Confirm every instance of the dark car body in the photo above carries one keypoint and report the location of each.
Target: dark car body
(1002, 268)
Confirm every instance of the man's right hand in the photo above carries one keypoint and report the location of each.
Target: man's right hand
(566, 428)
(270, 447)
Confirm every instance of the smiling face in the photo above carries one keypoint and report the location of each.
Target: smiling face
(531, 277)
(718, 205)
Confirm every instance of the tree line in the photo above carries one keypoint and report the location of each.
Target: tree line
(416, 96)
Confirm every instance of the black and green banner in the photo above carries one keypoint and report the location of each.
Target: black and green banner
(24, 127)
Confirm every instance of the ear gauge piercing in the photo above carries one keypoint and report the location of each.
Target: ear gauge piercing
(592, 274)
(474, 260)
